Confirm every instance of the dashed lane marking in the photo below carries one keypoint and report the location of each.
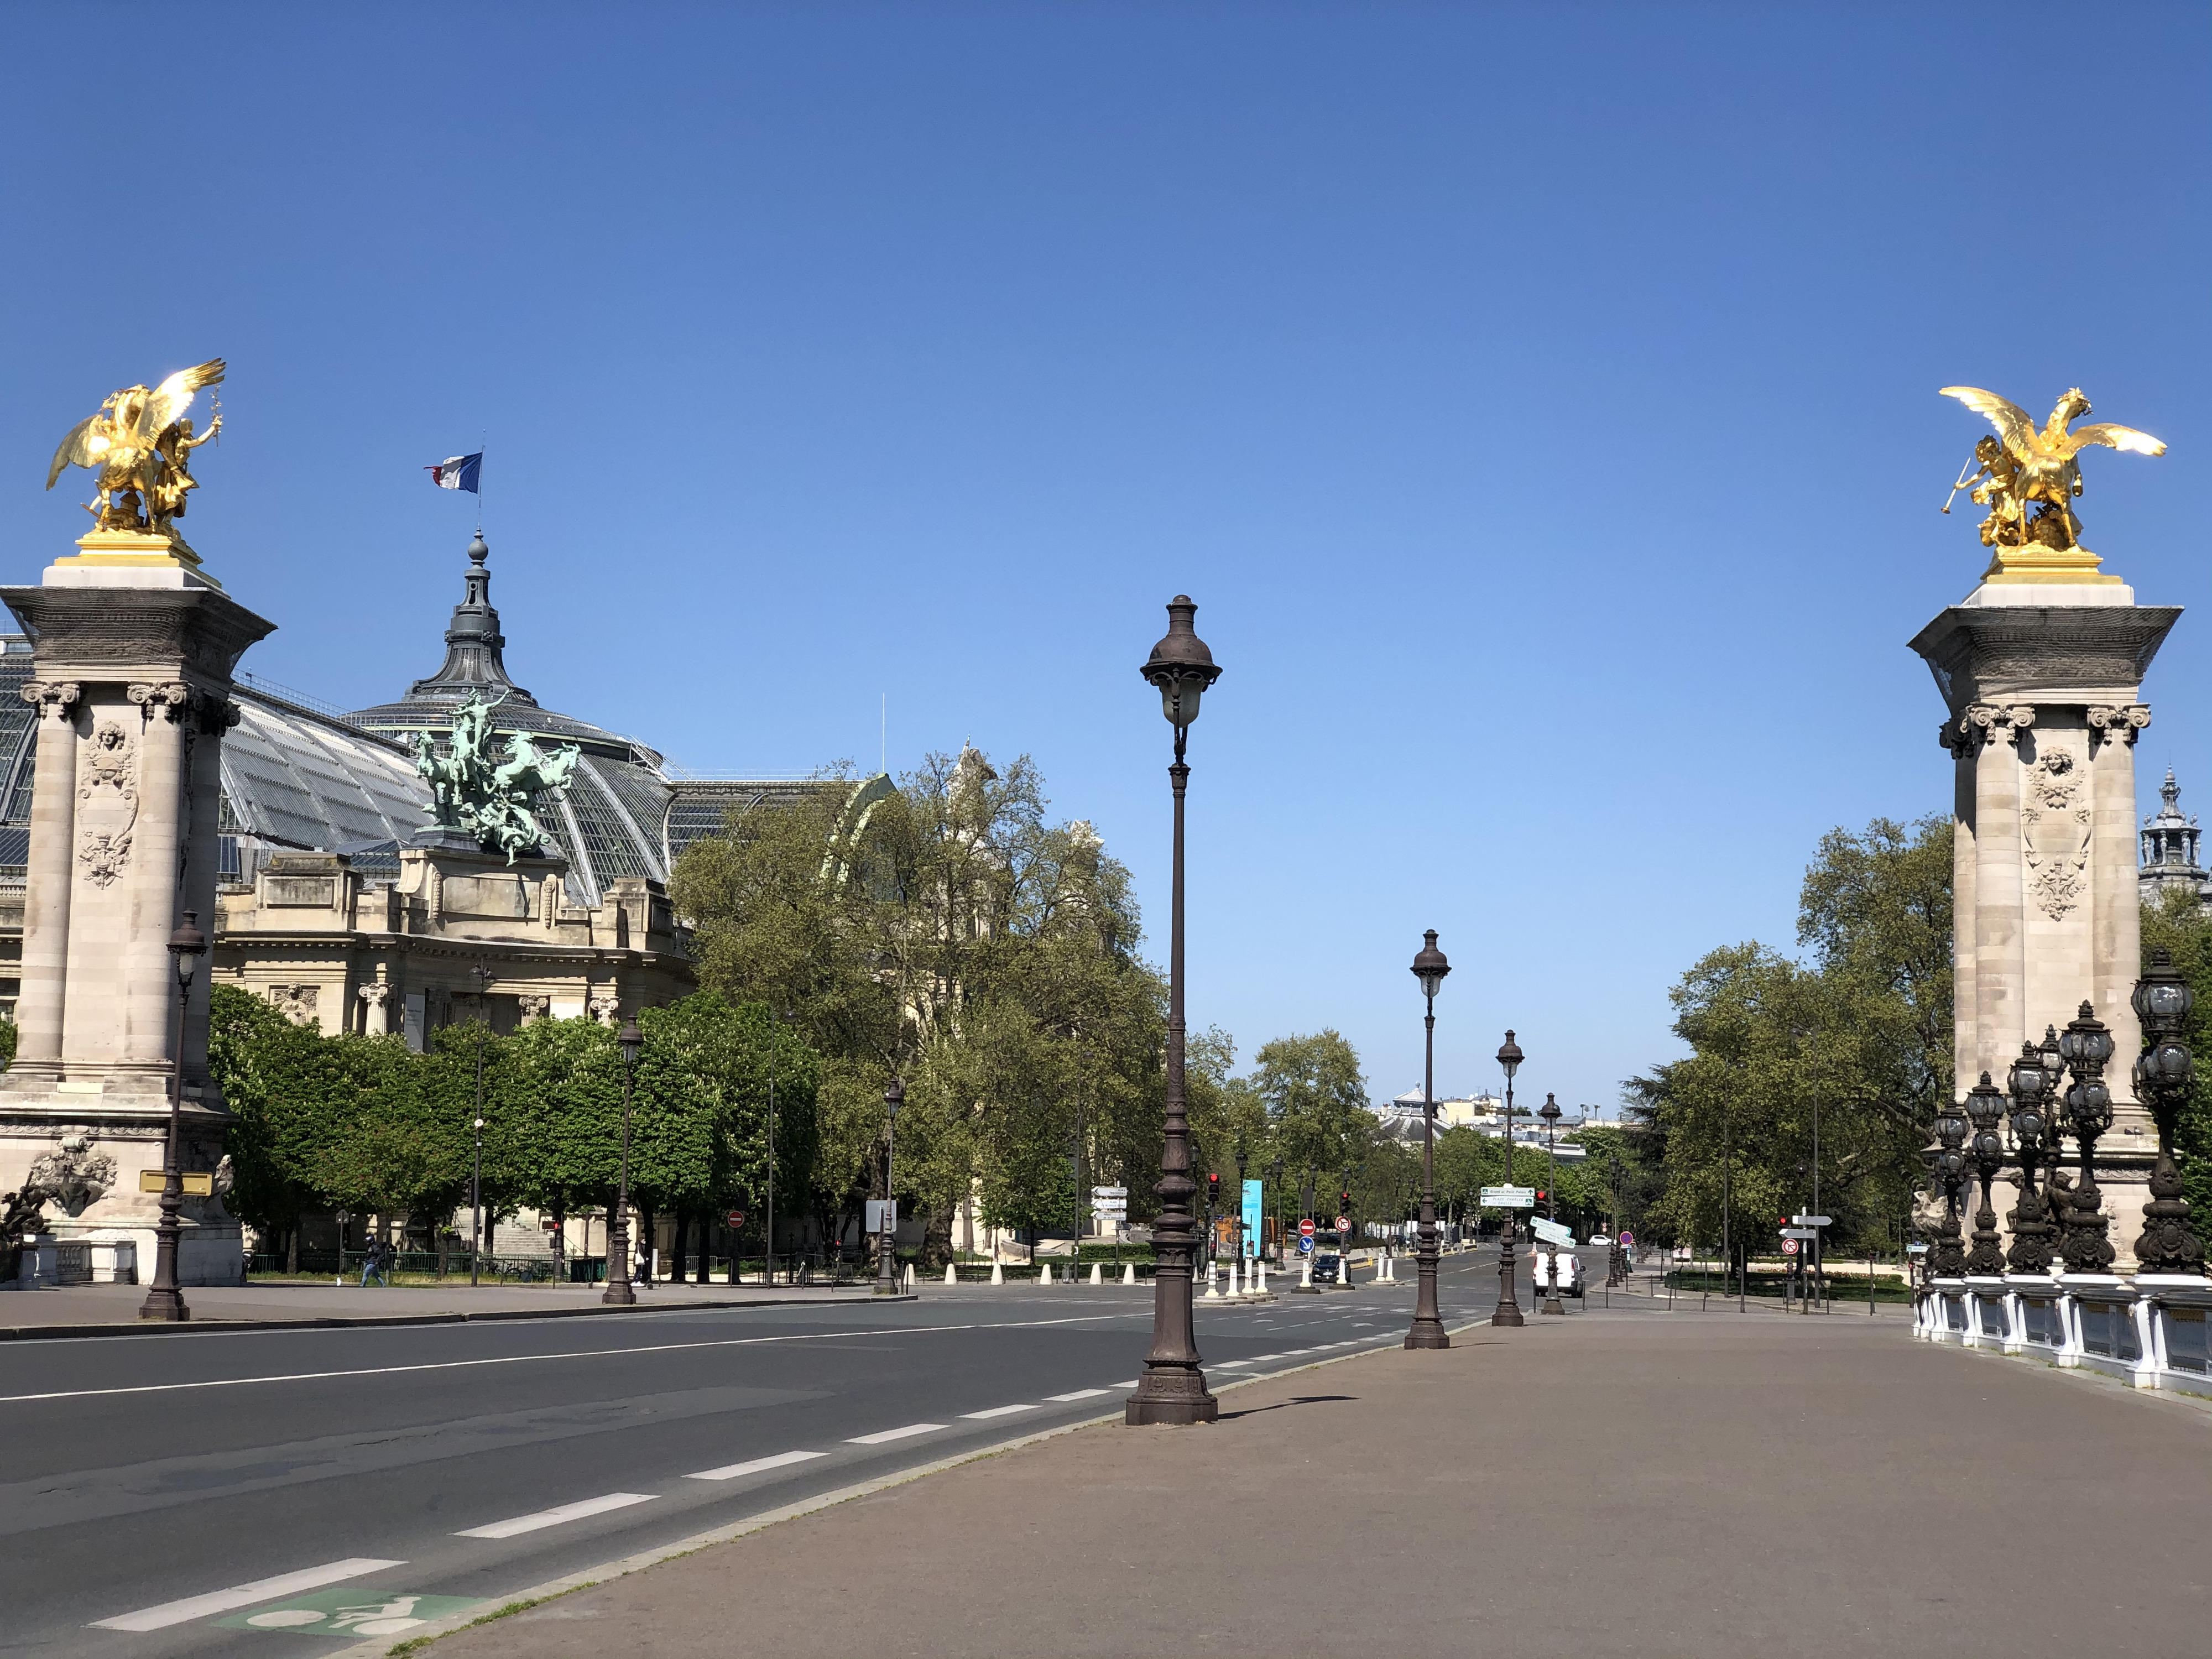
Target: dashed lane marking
(554, 1518)
(1079, 1394)
(997, 1411)
(245, 1595)
(732, 1471)
(884, 1435)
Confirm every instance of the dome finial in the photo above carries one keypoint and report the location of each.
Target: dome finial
(477, 552)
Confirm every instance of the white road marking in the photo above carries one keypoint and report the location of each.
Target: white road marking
(544, 1518)
(999, 1411)
(1131, 1383)
(881, 1436)
(1079, 1394)
(1232, 1364)
(732, 1471)
(579, 1353)
(244, 1596)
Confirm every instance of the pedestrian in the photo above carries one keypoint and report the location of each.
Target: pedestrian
(373, 1261)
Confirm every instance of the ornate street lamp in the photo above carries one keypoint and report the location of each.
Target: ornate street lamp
(1549, 1111)
(1428, 1328)
(2085, 1046)
(1948, 1259)
(1616, 1263)
(619, 1291)
(1243, 1157)
(1509, 1310)
(2055, 1197)
(1986, 1107)
(1173, 1388)
(482, 976)
(887, 1232)
(2163, 1075)
(2031, 1107)
(164, 1300)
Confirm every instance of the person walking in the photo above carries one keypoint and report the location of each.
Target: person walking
(374, 1260)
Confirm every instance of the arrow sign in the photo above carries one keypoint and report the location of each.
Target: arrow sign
(1814, 1220)
(1551, 1232)
(1801, 1232)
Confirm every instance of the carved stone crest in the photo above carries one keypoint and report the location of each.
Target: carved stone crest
(295, 1002)
(107, 802)
(2055, 827)
(74, 1177)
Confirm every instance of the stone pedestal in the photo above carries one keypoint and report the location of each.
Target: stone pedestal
(2042, 683)
(134, 650)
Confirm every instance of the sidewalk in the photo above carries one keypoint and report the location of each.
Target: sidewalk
(83, 1309)
(1703, 1486)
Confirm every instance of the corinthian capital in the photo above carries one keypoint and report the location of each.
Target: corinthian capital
(52, 697)
(2117, 725)
(168, 698)
(1983, 722)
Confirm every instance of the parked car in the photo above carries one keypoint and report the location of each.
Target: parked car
(1325, 1267)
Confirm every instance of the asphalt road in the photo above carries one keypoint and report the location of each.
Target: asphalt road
(142, 1478)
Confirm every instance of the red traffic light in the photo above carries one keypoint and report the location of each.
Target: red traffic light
(1213, 1186)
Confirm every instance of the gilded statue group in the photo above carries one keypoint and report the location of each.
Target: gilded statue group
(485, 796)
(2027, 478)
(140, 446)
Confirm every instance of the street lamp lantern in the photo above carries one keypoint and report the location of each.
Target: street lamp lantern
(1508, 1308)
(1948, 1259)
(1173, 1388)
(887, 1233)
(1985, 1106)
(1549, 1111)
(629, 1040)
(165, 1300)
(2085, 1045)
(1428, 1328)
(482, 976)
(2030, 1252)
(2164, 1074)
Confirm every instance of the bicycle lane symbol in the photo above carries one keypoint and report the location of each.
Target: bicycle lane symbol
(349, 1613)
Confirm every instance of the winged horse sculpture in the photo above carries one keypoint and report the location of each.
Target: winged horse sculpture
(2022, 465)
(140, 446)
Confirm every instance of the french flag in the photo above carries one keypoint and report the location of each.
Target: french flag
(458, 473)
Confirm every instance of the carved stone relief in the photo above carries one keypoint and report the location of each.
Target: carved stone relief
(2109, 725)
(107, 802)
(295, 1002)
(603, 1007)
(1983, 722)
(2055, 824)
(74, 1177)
(534, 1007)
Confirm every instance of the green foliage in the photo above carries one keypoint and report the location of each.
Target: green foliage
(7, 1044)
(1316, 1104)
(1861, 1034)
(2177, 924)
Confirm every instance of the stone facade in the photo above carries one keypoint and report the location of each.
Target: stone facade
(132, 667)
(2043, 688)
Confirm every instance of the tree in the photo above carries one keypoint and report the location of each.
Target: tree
(1316, 1103)
(2178, 924)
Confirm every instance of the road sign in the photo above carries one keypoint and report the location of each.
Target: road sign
(875, 1219)
(1343, 1223)
(1102, 1194)
(736, 1217)
(1916, 1249)
(1812, 1220)
(1551, 1232)
(1789, 1247)
(1509, 1197)
(1793, 1234)
(1306, 1228)
(1627, 1237)
(1305, 1244)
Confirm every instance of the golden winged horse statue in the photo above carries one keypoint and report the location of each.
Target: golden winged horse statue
(2022, 465)
(140, 446)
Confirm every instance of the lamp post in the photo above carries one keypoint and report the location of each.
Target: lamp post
(1986, 1107)
(768, 1217)
(164, 1300)
(1428, 1327)
(2164, 1073)
(482, 976)
(1173, 1388)
(2055, 1196)
(619, 1291)
(1242, 1155)
(1616, 1259)
(1275, 1177)
(2031, 1105)
(1948, 1258)
(1549, 1111)
(887, 1238)
(2085, 1045)
(1509, 1310)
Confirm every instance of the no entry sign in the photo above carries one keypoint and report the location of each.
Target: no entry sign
(1306, 1228)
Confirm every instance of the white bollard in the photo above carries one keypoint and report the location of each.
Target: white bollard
(1259, 1275)
(1128, 1273)
(911, 1286)
(1044, 1272)
(950, 1278)
(1095, 1279)
(998, 1273)
(1212, 1290)
(1305, 1271)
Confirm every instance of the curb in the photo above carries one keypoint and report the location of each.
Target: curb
(490, 1315)
(623, 1566)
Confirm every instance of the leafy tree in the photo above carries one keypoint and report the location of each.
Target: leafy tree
(2179, 925)
(1316, 1103)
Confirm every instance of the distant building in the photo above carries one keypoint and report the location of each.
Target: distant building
(2169, 857)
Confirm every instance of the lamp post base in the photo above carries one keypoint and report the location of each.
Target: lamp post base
(1171, 1395)
(1428, 1334)
(166, 1303)
(1552, 1306)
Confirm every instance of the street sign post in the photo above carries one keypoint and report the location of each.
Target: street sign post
(1793, 1234)
(1509, 1197)
(1812, 1220)
(1627, 1237)
(1306, 1228)
(1551, 1232)
(1789, 1247)
(736, 1217)
(1344, 1223)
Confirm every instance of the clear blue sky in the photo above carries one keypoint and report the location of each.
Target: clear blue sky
(1540, 402)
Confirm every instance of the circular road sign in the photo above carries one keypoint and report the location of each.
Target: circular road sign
(736, 1217)
(1789, 1247)
(1343, 1223)
(1306, 1228)
(1627, 1237)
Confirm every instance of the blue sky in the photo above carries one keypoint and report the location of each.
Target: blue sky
(1540, 402)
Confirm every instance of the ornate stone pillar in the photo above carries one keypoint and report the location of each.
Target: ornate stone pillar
(375, 1007)
(154, 874)
(38, 1007)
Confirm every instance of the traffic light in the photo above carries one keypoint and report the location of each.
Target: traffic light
(1343, 1202)
(1213, 1189)
(1539, 1195)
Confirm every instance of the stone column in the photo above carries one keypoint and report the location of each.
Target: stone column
(38, 1007)
(211, 716)
(2042, 683)
(155, 875)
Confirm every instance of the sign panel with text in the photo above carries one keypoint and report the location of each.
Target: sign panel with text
(1253, 1228)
